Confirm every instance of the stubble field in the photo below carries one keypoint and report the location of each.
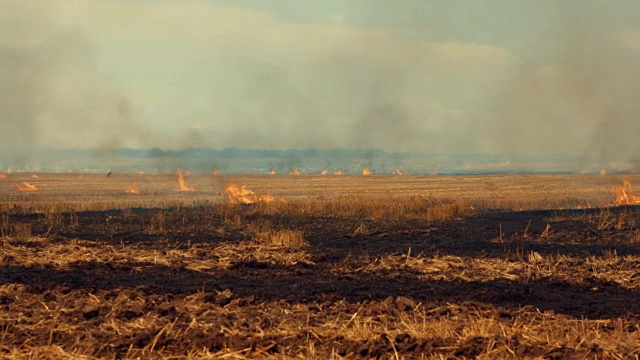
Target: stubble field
(399, 267)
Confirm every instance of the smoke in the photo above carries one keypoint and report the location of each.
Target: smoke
(576, 100)
(247, 78)
(565, 92)
(21, 95)
(307, 86)
(278, 85)
(51, 93)
(54, 93)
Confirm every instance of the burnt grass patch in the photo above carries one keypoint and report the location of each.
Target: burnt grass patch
(194, 282)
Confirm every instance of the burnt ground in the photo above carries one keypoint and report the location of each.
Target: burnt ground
(192, 281)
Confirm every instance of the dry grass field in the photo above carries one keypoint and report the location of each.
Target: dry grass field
(326, 267)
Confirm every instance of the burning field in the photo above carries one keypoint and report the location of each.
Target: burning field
(312, 266)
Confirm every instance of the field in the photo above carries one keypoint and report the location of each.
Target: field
(327, 267)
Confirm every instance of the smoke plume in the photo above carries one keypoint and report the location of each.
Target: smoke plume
(249, 77)
(576, 101)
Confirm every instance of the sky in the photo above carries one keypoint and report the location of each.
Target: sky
(540, 78)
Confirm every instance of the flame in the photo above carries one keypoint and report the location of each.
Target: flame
(25, 186)
(339, 172)
(366, 171)
(35, 176)
(295, 172)
(603, 172)
(272, 172)
(325, 172)
(241, 195)
(182, 182)
(625, 195)
(398, 172)
(133, 189)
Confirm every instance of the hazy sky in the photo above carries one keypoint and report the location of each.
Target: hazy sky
(497, 76)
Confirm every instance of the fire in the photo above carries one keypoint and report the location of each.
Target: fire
(182, 182)
(325, 172)
(295, 172)
(272, 172)
(133, 189)
(239, 194)
(366, 171)
(625, 195)
(339, 172)
(603, 172)
(398, 172)
(35, 176)
(25, 186)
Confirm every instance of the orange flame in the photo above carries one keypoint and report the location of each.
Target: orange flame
(35, 176)
(182, 182)
(241, 195)
(339, 172)
(133, 189)
(603, 172)
(272, 172)
(295, 172)
(366, 171)
(325, 172)
(398, 172)
(625, 195)
(25, 186)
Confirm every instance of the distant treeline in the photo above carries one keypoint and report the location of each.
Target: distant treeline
(237, 160)
(255, 153)
(237, 153)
